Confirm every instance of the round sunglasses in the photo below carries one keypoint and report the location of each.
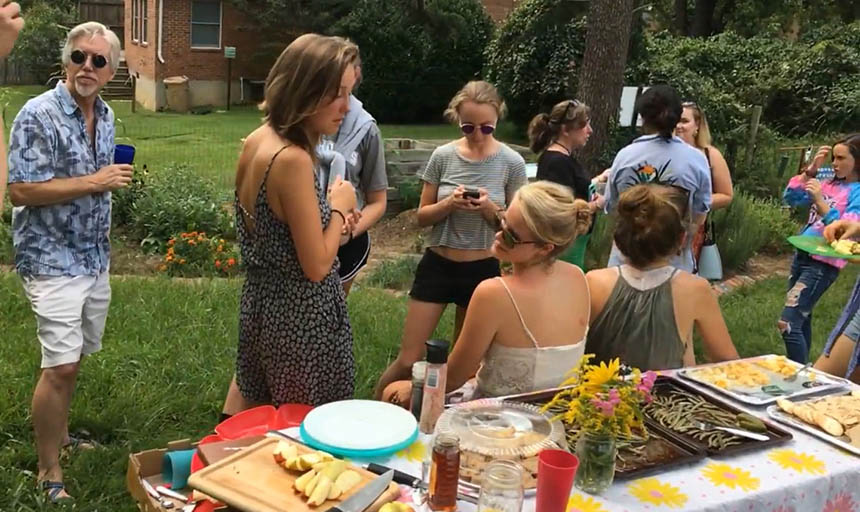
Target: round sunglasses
(79, 57)
(469, 128)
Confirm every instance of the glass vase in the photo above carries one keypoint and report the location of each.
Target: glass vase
(596, 454)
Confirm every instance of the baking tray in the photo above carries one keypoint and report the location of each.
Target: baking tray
(684, 452)
(776, 434)
(792, 421)
(803, 386)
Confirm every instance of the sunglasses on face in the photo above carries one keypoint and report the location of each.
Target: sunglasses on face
(509, 238)
(469, 128)
(79, 57)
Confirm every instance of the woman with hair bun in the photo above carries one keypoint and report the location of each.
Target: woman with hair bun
(555, 136)
(660, 157)
(644, 311)
(524, 331)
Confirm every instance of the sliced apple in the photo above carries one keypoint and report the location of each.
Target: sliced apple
(302, 481)
(309, 488)
(284, 451)
(327, 478)
(347, 480)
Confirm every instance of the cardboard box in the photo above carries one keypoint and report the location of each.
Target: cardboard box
(147, 465)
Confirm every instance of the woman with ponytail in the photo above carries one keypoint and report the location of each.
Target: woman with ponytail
(555, 136)
(524, 331)
(645, 310)
(660, 157)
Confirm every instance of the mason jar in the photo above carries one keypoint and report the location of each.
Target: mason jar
(501, 487)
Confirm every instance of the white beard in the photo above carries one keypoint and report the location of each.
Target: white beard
(86, 90)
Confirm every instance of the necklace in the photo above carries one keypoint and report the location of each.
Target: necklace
(566, 149)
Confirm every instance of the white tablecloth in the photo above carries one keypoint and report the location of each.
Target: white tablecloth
(802, 475)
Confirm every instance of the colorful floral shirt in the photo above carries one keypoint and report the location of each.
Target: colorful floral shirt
(49, 140)
(844, 201)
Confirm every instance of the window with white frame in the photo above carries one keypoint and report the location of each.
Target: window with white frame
(206, 24)
(135, 20)
(144, 21)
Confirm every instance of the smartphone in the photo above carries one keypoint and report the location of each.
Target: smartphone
(471, 194)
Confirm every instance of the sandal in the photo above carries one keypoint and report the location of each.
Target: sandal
(52, 490)
(81, 441)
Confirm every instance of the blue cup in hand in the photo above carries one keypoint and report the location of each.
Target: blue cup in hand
(123, 154)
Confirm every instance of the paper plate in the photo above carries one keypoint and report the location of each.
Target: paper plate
(817, 245)
(359, 428)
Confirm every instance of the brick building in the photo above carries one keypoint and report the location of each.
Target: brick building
(165, 38)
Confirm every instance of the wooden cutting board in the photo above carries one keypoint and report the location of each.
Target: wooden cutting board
(251, 480)
(210, 453)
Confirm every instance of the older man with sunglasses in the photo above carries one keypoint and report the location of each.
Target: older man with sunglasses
(61, 174)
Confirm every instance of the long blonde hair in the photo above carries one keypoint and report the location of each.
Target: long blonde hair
(305, 77)
(477, 91)
(703, 133)
(553, 215)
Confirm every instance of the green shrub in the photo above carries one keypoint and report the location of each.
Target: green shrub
(38, 46)
(123, 201)
(410, 193)
(533, 57)
(175, 200)
(600, 243)
(415, 60)
(394, 274)
(750, 225)
(7, 251)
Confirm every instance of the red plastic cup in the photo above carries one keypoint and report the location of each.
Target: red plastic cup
(556, 470)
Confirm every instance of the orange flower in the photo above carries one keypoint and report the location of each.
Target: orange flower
(171, 242)
(192, 234)
(182, 261)
(169, 257)
(231, 262)
(217, 263)
(170, 251)
(220, 248)
(192, 242)
(162, 267)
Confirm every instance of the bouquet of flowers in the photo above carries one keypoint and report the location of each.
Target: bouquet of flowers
(604, 399)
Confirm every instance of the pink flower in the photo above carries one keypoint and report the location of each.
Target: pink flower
(614, 397)
(607, 407)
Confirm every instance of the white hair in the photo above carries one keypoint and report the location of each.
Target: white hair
(91, 29)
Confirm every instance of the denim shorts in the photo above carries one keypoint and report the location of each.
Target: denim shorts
(852, 330)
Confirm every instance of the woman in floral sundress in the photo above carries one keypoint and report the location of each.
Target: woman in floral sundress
(295, 342)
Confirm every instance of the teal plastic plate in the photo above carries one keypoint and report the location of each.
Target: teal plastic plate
(356, 454)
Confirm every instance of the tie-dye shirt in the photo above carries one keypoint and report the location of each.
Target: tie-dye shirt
(49, 140)
(844, 201)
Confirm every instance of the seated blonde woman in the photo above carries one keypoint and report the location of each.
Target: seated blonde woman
(524, 331)
(644, 311)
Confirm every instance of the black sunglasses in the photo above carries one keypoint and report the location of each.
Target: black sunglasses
(79, 57)
(469, 128)
(509, 238)
(570, 104)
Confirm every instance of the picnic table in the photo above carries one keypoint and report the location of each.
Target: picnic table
(805, 474)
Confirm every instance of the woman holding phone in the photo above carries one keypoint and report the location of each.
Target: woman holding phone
(466, 182)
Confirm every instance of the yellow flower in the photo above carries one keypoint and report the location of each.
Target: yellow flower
(182, 261)
(580, 503)
(651, 490)
(415, 452)
(597, 376)
(723, 474)
(799, 462)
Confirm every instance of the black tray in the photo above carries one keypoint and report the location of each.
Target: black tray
(776, 434)
(683, 451)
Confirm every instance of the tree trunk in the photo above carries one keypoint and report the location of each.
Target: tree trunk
(681, 17)
(602, 75)
(703, 20)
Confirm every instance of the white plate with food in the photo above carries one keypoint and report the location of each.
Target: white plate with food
(835, 418)
(763, 380)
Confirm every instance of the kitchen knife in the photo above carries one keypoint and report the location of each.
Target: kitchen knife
(366, 495)
(416, 483)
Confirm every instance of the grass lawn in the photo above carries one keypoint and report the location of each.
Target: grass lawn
(168, 357)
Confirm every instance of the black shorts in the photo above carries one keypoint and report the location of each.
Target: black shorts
(353, 255)
(444, 281)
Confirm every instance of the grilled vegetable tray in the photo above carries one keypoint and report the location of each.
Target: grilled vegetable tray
(762, 380)
(678, 407)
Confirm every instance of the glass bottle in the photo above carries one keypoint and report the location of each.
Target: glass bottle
(444, 473)
(596, 455)
(419, 371)
(501, 487)
(435, 380)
